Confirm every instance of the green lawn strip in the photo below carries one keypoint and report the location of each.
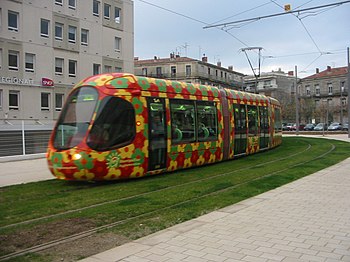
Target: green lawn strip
(225, 168)
(63, 199)
(155, 200)
(203, 196)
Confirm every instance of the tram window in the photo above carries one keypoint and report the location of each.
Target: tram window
(114, 125)
(252, 120)
(75, 119)
(182, 121)
(207, 121)
(278, 122)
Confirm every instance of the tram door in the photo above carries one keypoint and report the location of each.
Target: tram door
(157, 133)
(240, 115)
(264, 127)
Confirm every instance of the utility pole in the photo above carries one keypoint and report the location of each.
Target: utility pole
(251, 66)
(296, 101)
(348, 53)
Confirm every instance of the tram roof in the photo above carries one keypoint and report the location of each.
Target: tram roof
(132, 84)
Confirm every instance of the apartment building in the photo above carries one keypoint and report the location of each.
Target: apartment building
(276, 83)
(189, 70)
(327, 91)
(47, 46)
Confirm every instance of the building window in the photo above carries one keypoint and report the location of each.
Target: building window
(96, 8)
(108, 69)
(117, 13)
(117, 43)
(173, 71)
(13, 21)
(96, 69)
(188, 70)
(208, 70)
(44, 28)
(342, 85)
(159, 71)
(45, 101)
(13, 60)
(59, 2)
(317, 90)
(330, 88)
(0, 99)
(29, 62)
(13, 100)
(308, 91)
(72, 4)
(59, 31)
(72, 32)
(59, 66)
(72, 68)
(107, 11)
(0, 58)
(118, 69)
(84, 37)
(144, 71)
(59, 99)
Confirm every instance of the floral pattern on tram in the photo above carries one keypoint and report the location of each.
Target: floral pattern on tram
(132, 160)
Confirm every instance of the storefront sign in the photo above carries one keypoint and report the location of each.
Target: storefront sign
(15, 80)
(46, 82)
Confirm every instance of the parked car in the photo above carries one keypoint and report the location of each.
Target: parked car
(320, 127)
(309, 127)
(346, 127)
(288, 127)
(334, 127)
(301, 127)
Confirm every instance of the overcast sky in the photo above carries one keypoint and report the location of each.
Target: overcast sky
(310, 40)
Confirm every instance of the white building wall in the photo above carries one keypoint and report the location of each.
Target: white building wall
(28, 40)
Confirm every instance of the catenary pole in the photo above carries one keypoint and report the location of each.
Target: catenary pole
(348, 54)
(296, 101)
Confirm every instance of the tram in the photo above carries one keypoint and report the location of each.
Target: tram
(119, 126)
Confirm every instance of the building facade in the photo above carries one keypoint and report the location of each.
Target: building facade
(189, 70)
(327, 93)
(47, 46)
(275, 83)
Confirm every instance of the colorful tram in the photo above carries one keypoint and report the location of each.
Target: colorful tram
(119, 126)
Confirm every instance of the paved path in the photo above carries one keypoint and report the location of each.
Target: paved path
(24, 171)
(307, 220)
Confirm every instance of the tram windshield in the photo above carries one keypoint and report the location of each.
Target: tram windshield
(75, 119)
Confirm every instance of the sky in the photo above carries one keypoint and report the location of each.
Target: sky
(308, 40)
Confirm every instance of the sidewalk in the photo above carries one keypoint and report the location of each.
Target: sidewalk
(24, 171)
(307, 220)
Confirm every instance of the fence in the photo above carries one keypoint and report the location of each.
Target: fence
(24, 137)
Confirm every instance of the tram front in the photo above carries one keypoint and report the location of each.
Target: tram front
(93, 137)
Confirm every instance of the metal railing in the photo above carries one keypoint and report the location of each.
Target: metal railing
(24, 137)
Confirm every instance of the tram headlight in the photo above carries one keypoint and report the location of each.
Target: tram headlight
(76, 156)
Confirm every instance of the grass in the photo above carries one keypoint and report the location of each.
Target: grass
(168, 199)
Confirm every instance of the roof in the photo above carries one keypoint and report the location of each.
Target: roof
(164, 60)
(329, 72)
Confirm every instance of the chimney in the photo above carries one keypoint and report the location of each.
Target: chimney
(172, 55)
(291, 73)
(155, 57)
(317, 70)
(230, 68)
(329, 68)
(136, 58)
(205, 59)
(218, 64)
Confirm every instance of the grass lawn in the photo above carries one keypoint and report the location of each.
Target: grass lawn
(142, 206)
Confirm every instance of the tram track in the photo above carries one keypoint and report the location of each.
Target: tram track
(309, 146)
(138, 216)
